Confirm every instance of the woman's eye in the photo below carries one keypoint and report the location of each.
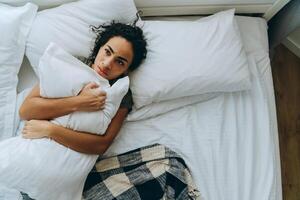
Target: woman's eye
(120, 62)
(107, 52)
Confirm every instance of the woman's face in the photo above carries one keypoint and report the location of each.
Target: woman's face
(113, 58)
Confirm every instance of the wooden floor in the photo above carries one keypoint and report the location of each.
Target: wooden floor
(286, 77)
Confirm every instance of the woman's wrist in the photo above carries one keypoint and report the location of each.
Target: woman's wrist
(75, 103)
(52, 129)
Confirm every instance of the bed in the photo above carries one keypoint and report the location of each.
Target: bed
(230, 142)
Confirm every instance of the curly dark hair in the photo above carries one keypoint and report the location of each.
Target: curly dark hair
(130, 32)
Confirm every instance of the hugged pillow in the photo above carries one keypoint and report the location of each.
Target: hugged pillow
(62, 75)
(15, 23)
(69, 26)
(190, 58)
(43, 168)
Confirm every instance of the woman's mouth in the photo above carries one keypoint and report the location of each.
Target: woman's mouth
(102, 72)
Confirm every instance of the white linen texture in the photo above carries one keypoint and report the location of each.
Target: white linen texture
(69, 26)
(62, 75)
(191, 58)
(42, 4)
(15, 23)
(43, 168)
(155, 109)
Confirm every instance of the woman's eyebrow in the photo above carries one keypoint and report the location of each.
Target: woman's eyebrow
(121, 58)
(110, 49)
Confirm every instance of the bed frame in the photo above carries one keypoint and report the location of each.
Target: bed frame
(150, 8)
(265, 8)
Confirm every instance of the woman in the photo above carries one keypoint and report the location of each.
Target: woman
(119, 49)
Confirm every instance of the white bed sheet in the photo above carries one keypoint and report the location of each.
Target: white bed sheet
(230, 142)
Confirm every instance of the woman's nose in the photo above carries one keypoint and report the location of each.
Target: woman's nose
(107, 63)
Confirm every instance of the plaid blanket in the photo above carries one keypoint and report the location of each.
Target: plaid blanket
(148, 173)
(152, 172)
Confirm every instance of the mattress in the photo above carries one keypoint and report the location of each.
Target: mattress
(230, 142)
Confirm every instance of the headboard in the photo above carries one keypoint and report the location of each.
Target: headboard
(265, 8)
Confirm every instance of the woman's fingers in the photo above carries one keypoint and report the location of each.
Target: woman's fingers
(92, 85)
(102, 93)
(92, 98)
(36, 129)
(102, 97)
(100, 100)
(91, 89)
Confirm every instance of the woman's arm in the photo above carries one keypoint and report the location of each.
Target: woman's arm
(36, 107)
(78, 141)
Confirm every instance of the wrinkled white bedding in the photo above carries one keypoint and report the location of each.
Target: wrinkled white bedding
(230, 142)
(227, 142)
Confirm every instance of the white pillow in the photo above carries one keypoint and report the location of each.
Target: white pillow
(19, 124)
(41, 4)
(69, 26)
(63, 75)
(15, 23)
(190, 58)
(43, 168)
(9, 193)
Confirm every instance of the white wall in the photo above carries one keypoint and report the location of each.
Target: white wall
(292, 42)
(284, 23)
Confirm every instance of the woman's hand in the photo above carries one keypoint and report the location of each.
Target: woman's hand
(34, 129)
(91, 98)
